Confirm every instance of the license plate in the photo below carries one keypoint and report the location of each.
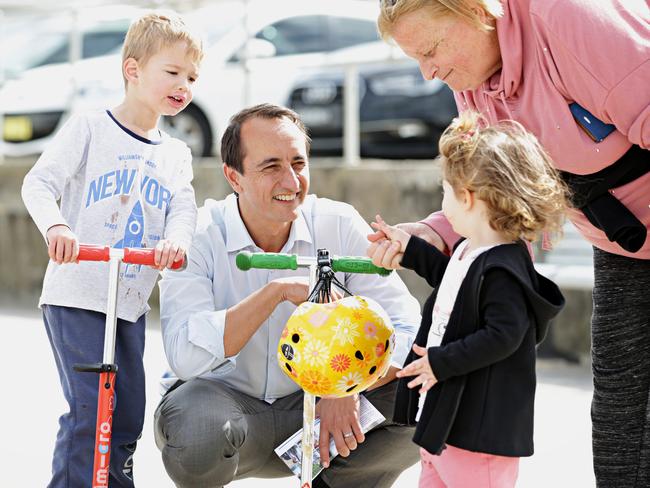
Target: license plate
(17, 128)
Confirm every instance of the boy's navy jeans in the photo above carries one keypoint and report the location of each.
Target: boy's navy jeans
(77, 336)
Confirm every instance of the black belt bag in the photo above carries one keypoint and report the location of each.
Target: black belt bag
(590, 193)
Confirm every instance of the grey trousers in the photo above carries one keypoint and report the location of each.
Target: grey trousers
(620, 410)
(210, 435)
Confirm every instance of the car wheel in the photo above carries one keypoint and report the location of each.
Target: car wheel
(191, 127)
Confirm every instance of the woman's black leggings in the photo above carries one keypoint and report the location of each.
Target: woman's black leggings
(620, 409)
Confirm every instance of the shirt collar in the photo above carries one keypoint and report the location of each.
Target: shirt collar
(299, 231)
(238, 238)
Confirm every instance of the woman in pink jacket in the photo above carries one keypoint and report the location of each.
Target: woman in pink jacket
(576, 73)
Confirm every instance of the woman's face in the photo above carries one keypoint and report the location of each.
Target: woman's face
(449, 48)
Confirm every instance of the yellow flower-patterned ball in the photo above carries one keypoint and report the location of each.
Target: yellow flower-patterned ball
(337, 349)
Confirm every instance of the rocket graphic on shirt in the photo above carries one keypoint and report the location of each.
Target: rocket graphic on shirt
(134, 231)
(133, 234)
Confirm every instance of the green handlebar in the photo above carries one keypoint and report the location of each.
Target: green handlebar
(350, 264)
(246, 260)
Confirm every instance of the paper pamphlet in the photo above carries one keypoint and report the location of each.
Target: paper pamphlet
(290, 451)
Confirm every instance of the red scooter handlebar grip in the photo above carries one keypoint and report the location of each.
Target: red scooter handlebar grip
(145, 256)
(88, 252)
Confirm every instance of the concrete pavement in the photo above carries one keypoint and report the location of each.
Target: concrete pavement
(32, 401)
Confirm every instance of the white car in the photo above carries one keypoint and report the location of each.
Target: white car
(254, 52)
(39, 81)
(39, 40)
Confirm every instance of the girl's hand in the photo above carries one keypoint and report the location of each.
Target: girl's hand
(387, 251)
(421, 369)
(394, 233)
(423, 231)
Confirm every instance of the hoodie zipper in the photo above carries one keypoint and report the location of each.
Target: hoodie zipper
(478, 294)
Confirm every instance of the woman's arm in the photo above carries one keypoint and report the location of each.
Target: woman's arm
(437, 230)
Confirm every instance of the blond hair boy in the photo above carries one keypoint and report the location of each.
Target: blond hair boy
(121, 182)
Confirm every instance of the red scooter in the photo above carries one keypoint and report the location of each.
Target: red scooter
(107, 369)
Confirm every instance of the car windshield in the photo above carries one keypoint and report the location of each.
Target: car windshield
(29, 49)
(48, 42)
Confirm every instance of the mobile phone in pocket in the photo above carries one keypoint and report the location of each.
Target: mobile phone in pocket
(594, 127)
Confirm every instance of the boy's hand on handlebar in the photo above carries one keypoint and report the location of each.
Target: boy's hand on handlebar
(62, 244)
(166, 253)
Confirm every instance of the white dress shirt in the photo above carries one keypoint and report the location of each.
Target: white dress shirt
(193, 302)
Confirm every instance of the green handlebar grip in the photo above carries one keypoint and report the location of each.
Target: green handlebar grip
(246, 260)
(349, 264)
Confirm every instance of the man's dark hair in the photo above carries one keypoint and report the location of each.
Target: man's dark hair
(232, 152)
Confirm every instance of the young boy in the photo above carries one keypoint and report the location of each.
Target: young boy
(124, 183)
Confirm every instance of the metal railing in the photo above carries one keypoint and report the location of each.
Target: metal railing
(352, 104)
(351, 116)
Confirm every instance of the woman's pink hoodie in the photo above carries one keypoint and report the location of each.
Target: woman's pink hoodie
(555, 52)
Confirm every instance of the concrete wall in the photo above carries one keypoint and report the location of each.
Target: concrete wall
(400, 191)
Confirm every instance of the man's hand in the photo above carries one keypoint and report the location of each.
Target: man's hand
(339, 418)
(245, 318)
(62, 244)
(296, 290)
(166, 253)
(423, 231)
(421, 369)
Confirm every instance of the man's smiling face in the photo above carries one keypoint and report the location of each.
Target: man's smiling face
(275, 179)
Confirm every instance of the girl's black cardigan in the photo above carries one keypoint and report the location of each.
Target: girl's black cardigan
(485, 365)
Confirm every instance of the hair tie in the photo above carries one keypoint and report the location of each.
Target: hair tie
(467, 136)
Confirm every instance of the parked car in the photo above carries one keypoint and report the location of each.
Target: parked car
(252, 55)
(44, 40)
(401, 114)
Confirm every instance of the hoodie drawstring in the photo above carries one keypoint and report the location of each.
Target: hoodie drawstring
(503, 100)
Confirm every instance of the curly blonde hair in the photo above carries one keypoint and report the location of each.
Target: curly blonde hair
(506, 167)
(392, 10)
